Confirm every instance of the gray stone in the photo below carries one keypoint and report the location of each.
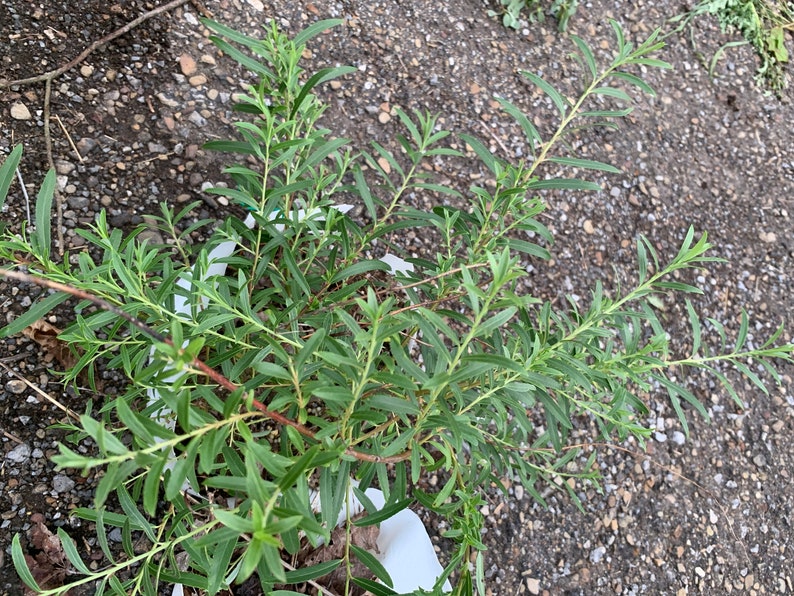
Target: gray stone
(62, 483)
(19, 454)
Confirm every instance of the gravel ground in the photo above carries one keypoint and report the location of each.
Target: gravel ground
(710, 513)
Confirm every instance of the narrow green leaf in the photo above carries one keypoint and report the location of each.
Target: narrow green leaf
(383, 514)
(314, 30)
(694, 323)
(44, 215)
(309, 348)
(744, 327)
(587, 164)
(612, 92)
(587, 54)
(607, 113)
(70, 550)
(562, 104)
(312, 572)
(372, 563)
(754, 378)
(360, 268)
(532, 134)
(245, 61)
(636, 81)
(33, 314)
(298, 468)
(376, 588)
(8, 172)
(563, 184)
(481, 150)
(135, 516)
(221, 557)
(21, 566)
(319, 77)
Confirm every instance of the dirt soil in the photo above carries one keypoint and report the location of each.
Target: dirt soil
(711, 513)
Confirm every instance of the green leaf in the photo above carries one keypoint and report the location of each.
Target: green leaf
(221, 557)
(44, 216)
(359, 268)
(562, 104)
(636, 81)
(612, 92)
(587, 54)
(312, 572)
(8, 172)
(70, 550)
(321, 76)
(376, 588)
(744, 327)
(314, 30)
(383, 514)
(586, 164)
(532, 134)
(135, 516)
(33, 314)
(694, 323)
(21, 566)
(481, 150)
(372, 563)
(298, 468)
(563, 184)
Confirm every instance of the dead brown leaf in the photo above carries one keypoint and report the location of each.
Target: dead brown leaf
(49, 565)
(46, 335)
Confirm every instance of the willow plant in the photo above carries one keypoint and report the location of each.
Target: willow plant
(311, 361)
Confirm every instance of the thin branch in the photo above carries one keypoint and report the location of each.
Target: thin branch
(197, 363)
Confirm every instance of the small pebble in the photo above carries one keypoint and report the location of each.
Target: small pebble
(533, 585)
(19, 111)
(62, 483)
(588, 227)
(597, 554)
(16, 386)
(187, 65)
(19, 454)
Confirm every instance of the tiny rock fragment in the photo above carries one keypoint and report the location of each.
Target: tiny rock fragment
(19, 454)
(256, 4)
(588, 227)
(384, 117)
(475, 89)
(187, 64)
(86, 70)
(167, 101)
(384, 164)
(19, 111)
(533, 585)
(197, 80)
(16, 386)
